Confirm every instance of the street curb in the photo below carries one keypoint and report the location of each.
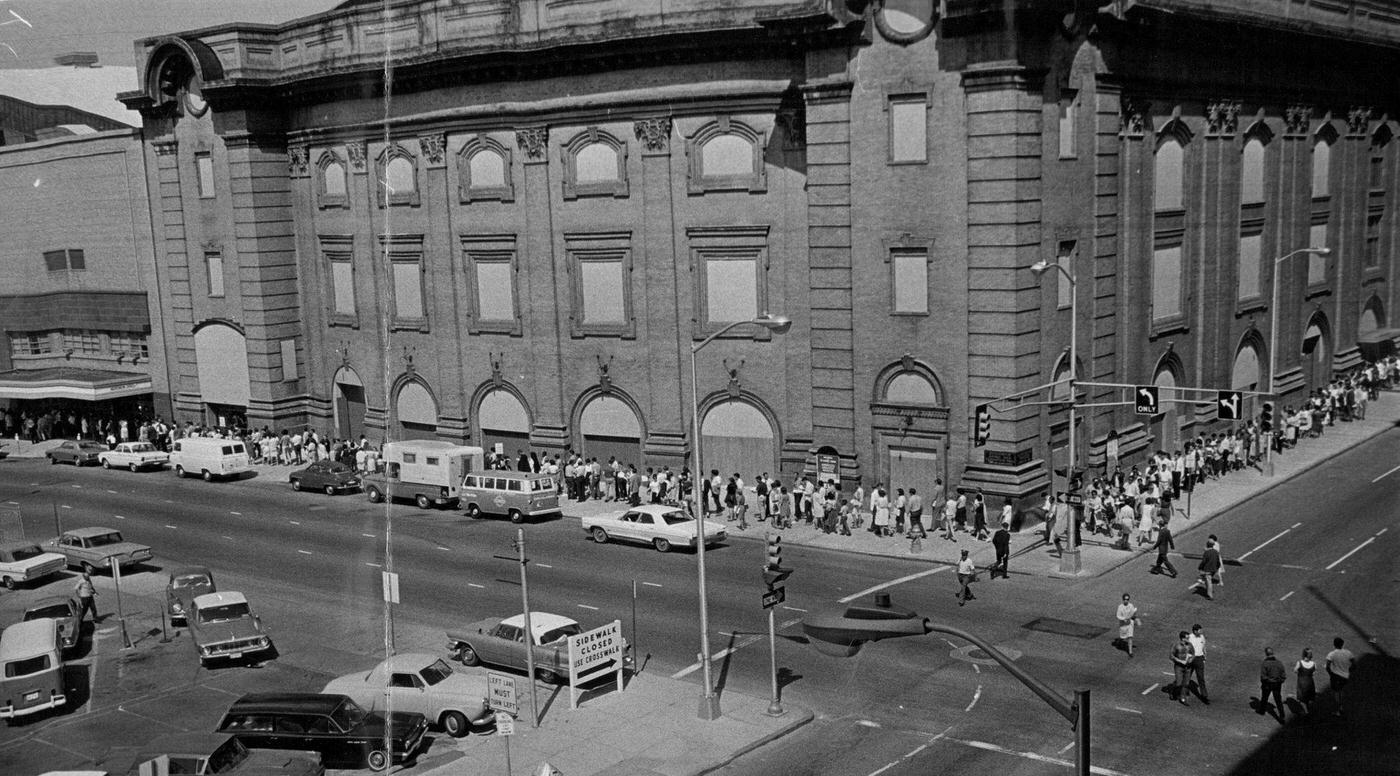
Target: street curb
(803, 718)
(1274, 483)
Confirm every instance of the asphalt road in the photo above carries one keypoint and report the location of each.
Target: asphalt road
(311, 564)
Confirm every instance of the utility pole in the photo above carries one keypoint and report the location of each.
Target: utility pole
(529, 632)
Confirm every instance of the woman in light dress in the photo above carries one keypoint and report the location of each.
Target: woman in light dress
(882, 512)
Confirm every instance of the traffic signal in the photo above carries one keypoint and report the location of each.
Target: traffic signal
(773, 571)
(982, 427)
(1266, 417)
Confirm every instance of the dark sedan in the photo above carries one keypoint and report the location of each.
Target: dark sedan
(329, 477)
(340, 729)
(76, 452)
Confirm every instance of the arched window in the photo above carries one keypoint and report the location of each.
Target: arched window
(911, 388)
(1244, 375)
(1252, 172)
(725, 155)
(595, 164)
(737, 437)
(1321, 167)
(330, 181)
(483, 169)
(398, 177)
(1167, 175)
(417, 411)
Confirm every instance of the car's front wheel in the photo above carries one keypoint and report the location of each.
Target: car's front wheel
(377, 760)
(208, 475)
(454, 723)
(423, 501)
(106, 464)
(374, 495)
(473, 511)
(133, 467)
(296, 485)
(179, 470)
(467, 655)
(9, 583)
(516, 516)
(661, 545)
(330, 490)
(600, 536)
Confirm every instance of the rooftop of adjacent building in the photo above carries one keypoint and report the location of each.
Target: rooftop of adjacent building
(90, 91)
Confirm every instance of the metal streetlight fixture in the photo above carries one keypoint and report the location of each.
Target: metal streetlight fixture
(843, 633)
(778, 324)
(1070, 562)
(1273, 340)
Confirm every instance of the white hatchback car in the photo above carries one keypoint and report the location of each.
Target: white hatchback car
(133, 456)
(661, 526)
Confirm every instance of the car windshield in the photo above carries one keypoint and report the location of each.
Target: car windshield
(224, 613)
(675, 517)
(561, 633)
(190, 580)
(437, 672)
(54, 611)
(102, 540)
(25, 553)
(92, 446)
(142, 447)
(348, 715)
(227, 756)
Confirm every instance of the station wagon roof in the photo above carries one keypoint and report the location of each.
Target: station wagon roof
(23, 639)
(540, 622)
(219, 599)
(304, 702)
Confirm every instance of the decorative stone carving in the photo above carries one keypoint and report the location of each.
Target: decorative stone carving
(655, 133)
(356, 152)
(794, 126)
(604, 379)
(166, 147)
(497, 379)
(1359, 120)
(534, 141)
(1223, 117)
(734, 388)
(1135, 115)
(408, 353)
(1297, 119)
(297, 161)
(434, 149)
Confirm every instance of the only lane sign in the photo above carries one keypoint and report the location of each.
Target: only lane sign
(1228, 404)
(1145, 400)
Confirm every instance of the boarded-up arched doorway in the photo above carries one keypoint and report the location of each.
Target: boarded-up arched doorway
(609, 428)
(416, 411)
(349, 406)
(503, 421)
(735, 436)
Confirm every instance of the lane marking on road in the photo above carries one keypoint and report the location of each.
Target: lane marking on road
(448, 549)
(304, 552)
(294, 522)
(473, 584)
(1295, 525)
(1387, 474)
(586, 606)
(1265, 544)
(908, 755)
(65, 506)
(1066, 748)
(1354, 550)
(374, 565)
(1030, 756)
(976, 696)
(168, 501)
(369, 535)
(794, 609)
(240, 514)
(651, 584)
(891, 583)
(78, 486)
(543, 566)
(1154, 686)
(1287, 595)
(1287, 566)
(976, 668)
(230, 538)
(867, 723)
(167, 525)
(1129, 711)
(12, 503)
(119, 517)
(1383, 530)
(112, 492)
(693, 667)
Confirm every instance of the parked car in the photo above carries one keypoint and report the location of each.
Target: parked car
(327, 476)
(428, 471)
(341, 730)
(61, 609)
(224, 627)
(77, 452)
(207, 754)
(453, 700)
(501, 642)
(182, 586)
(22, 561)
(516, 495)
(134, 456)
(661, 526)
(90, 548)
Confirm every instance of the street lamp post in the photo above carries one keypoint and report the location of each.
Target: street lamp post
(1273, 344)
(1070, 562)
(709, 701)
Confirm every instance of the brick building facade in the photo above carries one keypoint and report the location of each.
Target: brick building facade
(509, 221)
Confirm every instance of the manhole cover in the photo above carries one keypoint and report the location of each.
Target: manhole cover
(1076, 630)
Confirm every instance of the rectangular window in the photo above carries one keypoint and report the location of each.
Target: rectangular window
(910, 268)
(204, 166)
(1247, 283)
(495, 298)
(408, 289)
(343, 287)
(731, 288)
(1317, 265)
(22, 344)
(289, 360)
(600, 280)
(908, 129)
(88, 343)
(214, 264)
(124, 342)
(1166, 283)
(1377, 171)
(63, 260)
(1373, 239)
(1064, 291)
(76, 259)
(1069, 112)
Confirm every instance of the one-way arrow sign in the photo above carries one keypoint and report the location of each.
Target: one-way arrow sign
(1228, 403)
(774, 597)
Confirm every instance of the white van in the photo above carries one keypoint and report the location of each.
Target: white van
(428, 471)
(209, 457)
(31, 668)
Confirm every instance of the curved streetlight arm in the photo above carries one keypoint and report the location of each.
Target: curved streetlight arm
(1323, 251)
(777, 324)
(1041, 266)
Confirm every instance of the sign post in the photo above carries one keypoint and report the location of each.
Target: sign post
(594, 654)
(772, 598)
(117, 583)
(505, 726)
